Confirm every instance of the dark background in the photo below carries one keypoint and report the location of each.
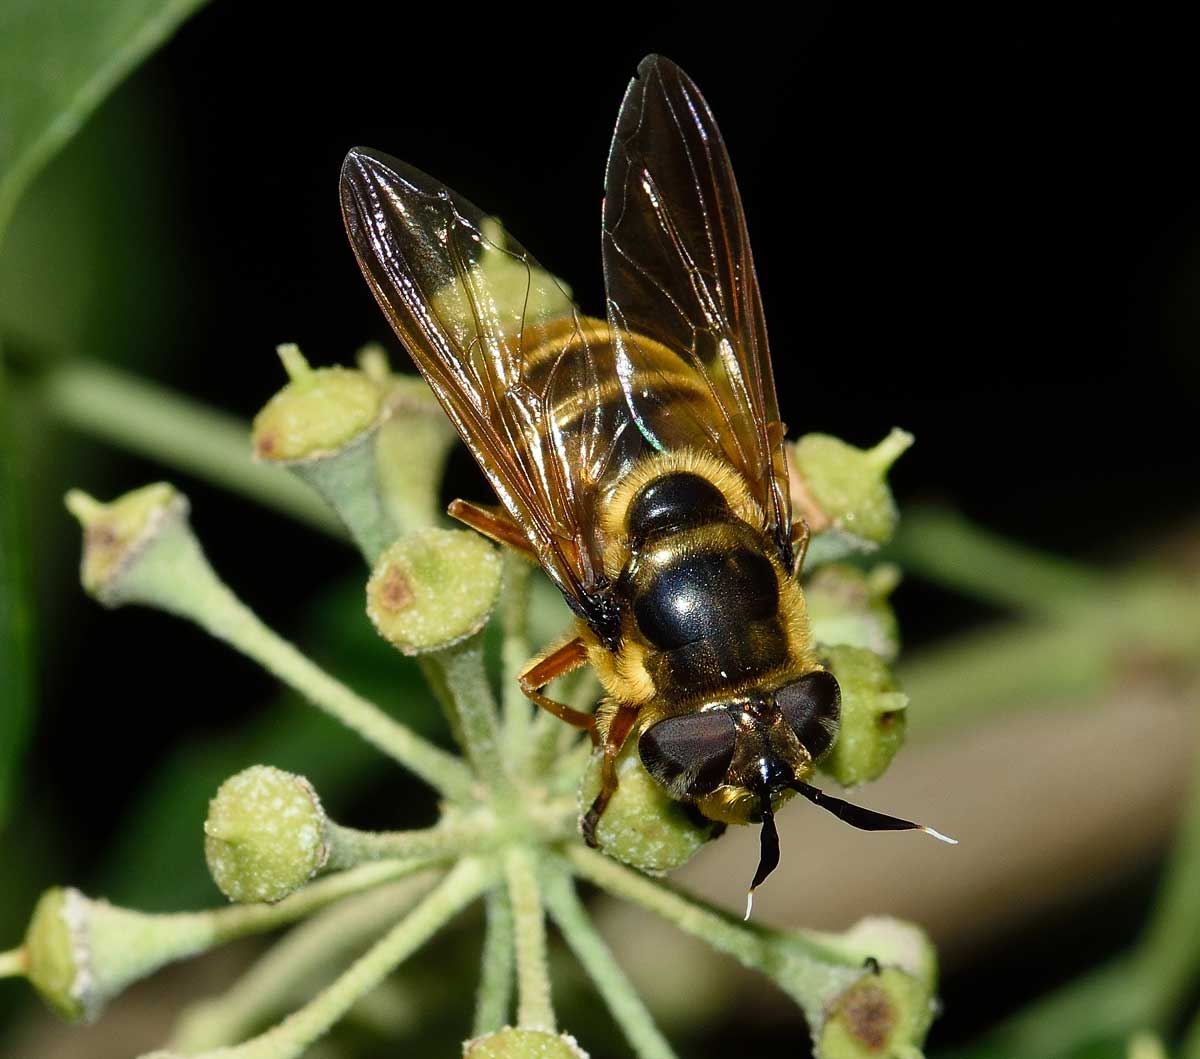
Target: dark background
(984, 228)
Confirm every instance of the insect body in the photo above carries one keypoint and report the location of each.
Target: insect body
(639, 460)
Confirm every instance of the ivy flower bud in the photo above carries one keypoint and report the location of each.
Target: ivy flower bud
(886, 1012)
(842, 492)
(323, 427)
(117, 535)
(643, 826)
(318, 412)
(80, 953)
(848, 606)
(265, 835)
(433, 588)
(873, 716)
(510, 1043)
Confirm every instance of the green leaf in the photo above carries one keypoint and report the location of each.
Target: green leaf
(58, 60)
(16, 650)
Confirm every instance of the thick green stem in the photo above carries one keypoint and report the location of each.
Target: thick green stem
(947, 548)
(534, 1007)
(458, 677)
(811, 970)
(493, 1000)
(445, 841)
(175, 432)
(305, 957)
(515, 653)
(12, 963)
(589, 947)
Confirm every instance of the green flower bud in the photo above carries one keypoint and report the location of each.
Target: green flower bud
(318, 412)
(642, 826)
(433, 589)
(265, 835)
(842, 492)
(81, 953)
(894, 943)
(873, 716)
(116, 535)
(324, 426)
(885, 1013)
(848, 606)
(510, 1043)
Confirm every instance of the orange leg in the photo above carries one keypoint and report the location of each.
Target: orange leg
(800, 539)
(492, 522)
(562, 660)
(618, 731)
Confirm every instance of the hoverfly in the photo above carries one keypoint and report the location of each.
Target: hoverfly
(638, 460)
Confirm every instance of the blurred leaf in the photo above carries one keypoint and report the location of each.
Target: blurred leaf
(16, 649)
(58, 60)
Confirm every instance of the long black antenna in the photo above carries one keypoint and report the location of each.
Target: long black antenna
(863, 819)
(768, 857)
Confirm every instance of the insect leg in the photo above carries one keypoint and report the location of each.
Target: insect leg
(800, 539)
(565, 658)
(618, 731)
(492, 522)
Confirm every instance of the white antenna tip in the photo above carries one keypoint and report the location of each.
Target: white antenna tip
(749, 905)
(940, 837)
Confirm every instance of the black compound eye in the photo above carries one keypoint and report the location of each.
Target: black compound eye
(812, 707)
(689, 755)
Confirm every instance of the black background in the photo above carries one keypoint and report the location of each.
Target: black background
(983, 227)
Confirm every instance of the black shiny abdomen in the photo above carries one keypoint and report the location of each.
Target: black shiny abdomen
(704, 594)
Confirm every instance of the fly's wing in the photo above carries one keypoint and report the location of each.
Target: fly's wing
(528, 382)
(678, 272)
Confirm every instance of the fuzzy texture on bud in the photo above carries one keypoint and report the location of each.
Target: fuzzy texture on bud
(317, 412)
(873, 716)
(433, 589)
(265, 835)
(510, 1043)
(643, 826)
(842, 492)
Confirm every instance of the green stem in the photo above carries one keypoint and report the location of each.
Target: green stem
(515, 653)
(175, 575)
(947, 548)
(494, 997)
(589, 947)
(312, 951)
(12, 963)
(445, 841)
(534, 1007)
(157, 423)
(811, 970)
(290, 1038)
(458, 677)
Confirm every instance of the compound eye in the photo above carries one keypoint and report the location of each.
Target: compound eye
(689, 755)
(812, 707)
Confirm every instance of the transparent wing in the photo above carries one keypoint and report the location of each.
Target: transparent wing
(529, 383)
(678, 271)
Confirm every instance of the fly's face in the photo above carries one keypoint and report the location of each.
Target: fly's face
(733, 758)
